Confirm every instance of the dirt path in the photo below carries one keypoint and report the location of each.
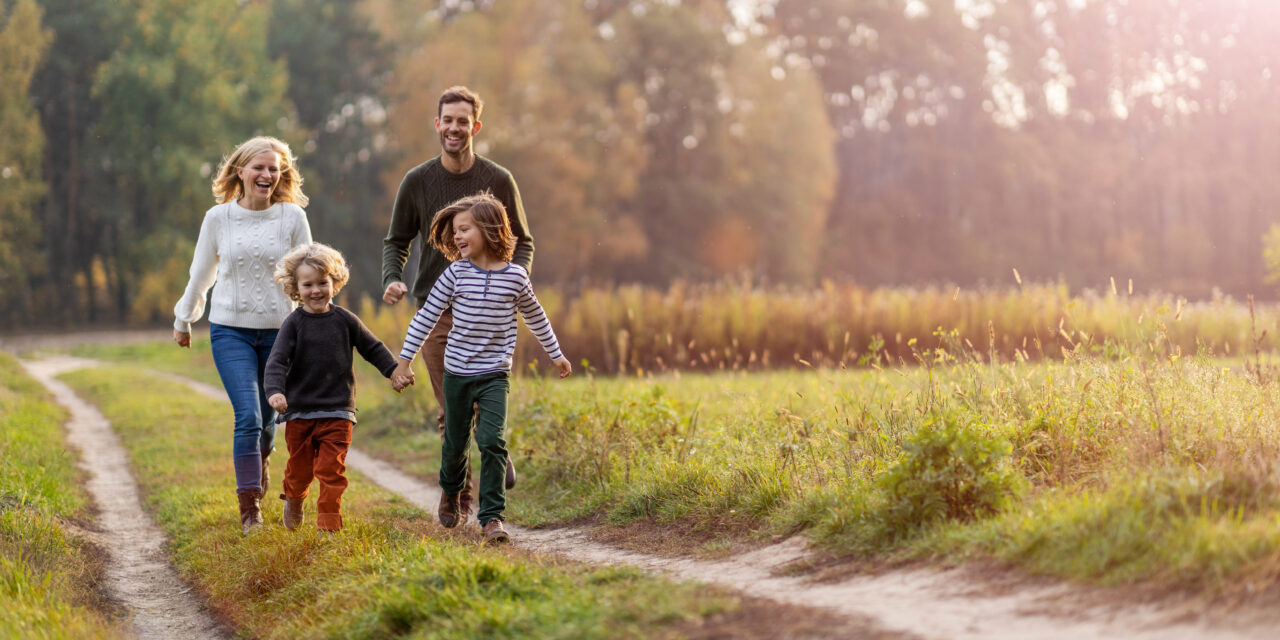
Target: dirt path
(952, 604)
(138, 575)
(929, 603)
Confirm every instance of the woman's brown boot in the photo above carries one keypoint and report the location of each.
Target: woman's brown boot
(250, 509)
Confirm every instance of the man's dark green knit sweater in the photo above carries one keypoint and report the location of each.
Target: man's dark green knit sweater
(428, 188)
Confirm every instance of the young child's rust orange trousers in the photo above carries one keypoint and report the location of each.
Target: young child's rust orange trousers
(318, 449)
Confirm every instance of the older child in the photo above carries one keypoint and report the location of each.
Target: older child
(485, 290)
(310, 381)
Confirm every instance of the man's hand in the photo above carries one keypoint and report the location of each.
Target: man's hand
(394, 292)
(183, 338)
(562, 364)
(278, 402)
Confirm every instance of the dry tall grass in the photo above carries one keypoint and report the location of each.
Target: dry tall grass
(733, 326)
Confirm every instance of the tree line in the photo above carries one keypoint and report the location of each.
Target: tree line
(893, 142)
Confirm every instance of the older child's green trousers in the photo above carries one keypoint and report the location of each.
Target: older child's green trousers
(488, 392)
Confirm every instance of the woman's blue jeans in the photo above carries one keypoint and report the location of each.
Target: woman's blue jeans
(241, 357)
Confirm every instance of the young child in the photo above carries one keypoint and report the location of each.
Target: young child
(310, 381)
(485, 290)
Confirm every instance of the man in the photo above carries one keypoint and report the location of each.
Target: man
(427, 188)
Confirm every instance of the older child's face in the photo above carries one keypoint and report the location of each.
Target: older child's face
(467, 237)
(314, 288)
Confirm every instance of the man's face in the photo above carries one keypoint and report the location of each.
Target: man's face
(456, 126)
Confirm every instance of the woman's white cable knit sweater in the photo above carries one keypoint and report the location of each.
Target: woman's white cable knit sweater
(238, 249)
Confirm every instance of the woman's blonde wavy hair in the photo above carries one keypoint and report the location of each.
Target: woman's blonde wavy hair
(317, 255)
(227, 185)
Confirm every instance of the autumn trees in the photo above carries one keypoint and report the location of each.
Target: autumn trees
(889, 142)
(23, 41)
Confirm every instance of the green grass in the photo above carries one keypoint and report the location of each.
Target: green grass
(1122, 463)
(47, 573)
(392, 572)
(195, 362)
(1134, 465)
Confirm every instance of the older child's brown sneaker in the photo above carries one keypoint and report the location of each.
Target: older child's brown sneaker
(293, 514)
(448, 510)
(494, 533)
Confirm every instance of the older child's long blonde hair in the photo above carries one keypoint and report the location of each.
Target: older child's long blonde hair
(317, 255)
(489, 215)
(227, 185)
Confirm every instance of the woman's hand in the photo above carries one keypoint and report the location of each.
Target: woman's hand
(183, 338)
(278, 402)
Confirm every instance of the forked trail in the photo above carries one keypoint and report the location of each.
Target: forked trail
(952, 604)
(929, 603)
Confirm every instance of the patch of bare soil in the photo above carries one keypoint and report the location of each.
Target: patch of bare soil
(138, 576)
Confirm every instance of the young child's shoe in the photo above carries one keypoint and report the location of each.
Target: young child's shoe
(511, 474)
(448, 510)
(494, 533)
(293, 514)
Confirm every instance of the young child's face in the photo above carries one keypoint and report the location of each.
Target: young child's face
(314, 288)
(467, 236)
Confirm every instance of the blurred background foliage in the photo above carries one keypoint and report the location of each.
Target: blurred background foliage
(894, 143)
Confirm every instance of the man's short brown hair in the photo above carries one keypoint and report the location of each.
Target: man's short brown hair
(459, 93)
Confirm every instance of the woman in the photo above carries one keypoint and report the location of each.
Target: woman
(257, 220)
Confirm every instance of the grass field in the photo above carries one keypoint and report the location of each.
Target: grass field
(1119, 464)
(1114, 439)
(48, 574)
(392, 572)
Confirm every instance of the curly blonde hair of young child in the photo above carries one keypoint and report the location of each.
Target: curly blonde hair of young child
(227, 185)
(489, 215)
(319, 256)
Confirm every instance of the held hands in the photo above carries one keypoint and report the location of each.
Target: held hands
(563, 366)
(183, 338)
(402, 377)
(278, 402)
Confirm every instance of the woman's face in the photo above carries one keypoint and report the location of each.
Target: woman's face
(260, 176)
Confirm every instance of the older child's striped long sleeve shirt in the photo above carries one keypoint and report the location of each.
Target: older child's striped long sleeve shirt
(483, 338)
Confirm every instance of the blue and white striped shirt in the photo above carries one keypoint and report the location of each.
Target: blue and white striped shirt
(483, 338)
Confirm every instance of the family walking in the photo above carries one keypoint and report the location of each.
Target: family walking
(285, 352)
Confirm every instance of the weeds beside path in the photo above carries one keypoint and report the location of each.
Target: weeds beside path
(929, 602)
(392, 572)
